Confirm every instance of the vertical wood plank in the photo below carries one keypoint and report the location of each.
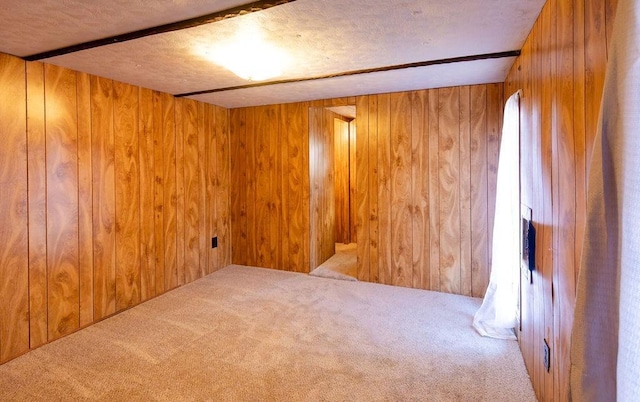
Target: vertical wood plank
(353, 205)
(189, 126)
(479, 244)
(465, 192)
(294, 129)
(147, 215)
(104, 203)
(449, 175)
(285, 218)
(170, 206)
(251, 165)
(211, 178)
(401, 228)
(204, 235)
(420, 188)
(127, 195)
(239, 186)
(62, 200)
(14, 252)
(494, 128)
(180, 190)
(158, 192)
(362, 184)
(85, 200)
(37, 202)
(265, 129)
(341, 179)
(223, 186)
(305, 185)
(384, 189)
(374, 274)
(434, 189)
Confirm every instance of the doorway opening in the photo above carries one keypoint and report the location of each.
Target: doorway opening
(332, 178)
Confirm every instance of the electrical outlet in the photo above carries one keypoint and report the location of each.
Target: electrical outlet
(214, 242)
(547, 356)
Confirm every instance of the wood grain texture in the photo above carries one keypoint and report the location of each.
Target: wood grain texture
(210, 176)
(478, 159)
(434, 189)
(383, 141)
(146, 157)
(127, 172)
(341, 179)
(158, 193)
(180, 191)
(14, 253)
(420, 189)
(362, 186)
(561, 71)
(352, 180)
(374, 272)
(449, 175)
(104, 203)
(37, 205)
(223, 186)
(62, 201)
(401, 210)
(204, 233)
(170, 180)
(91, 165)
(251, 191)
(85, 200)
(321, 175)
(189, 131)
(293, 128)
(465, 192)
(237, 132)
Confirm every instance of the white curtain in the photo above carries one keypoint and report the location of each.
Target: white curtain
(605, 342)
(497, 315)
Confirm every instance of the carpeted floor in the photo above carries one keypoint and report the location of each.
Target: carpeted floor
(342, 265)
(249, 334)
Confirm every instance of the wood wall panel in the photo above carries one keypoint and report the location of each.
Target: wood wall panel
(223, 186)
(374, 272)
(85, 199)
(561, 73)
(341, 179)
(422, 189)
(61, 122)
(362, 183)
(37, 205)
(127, 172)
(103, 173)
(91, 173)
(401, 219)
(449, 179)
(158, 194)
(170, 180)
(14, 253)
(147, 193)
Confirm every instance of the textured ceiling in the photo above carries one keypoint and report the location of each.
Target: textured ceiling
(322, 37)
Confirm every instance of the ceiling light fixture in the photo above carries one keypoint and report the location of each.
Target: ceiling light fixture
(249, 56)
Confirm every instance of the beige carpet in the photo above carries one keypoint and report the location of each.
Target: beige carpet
(249, 334)
(342, 265)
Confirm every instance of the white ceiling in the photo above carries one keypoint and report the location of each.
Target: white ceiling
(322, 36)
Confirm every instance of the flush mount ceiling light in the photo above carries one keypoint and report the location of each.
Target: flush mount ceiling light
(249, 56)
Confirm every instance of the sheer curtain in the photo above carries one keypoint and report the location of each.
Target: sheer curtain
(498, 314)
(605, 342)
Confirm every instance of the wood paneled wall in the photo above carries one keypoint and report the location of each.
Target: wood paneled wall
(561, 72)
(110, 196)
(426, 173)
(270, 186)
(341, 182)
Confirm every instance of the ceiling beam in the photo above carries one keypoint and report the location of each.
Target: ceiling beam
(462, 59)
(171, 27)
